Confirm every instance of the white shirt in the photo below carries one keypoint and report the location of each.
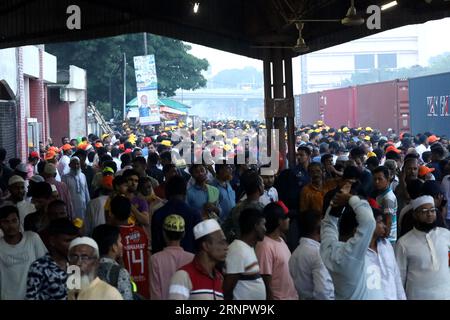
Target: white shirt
(118, 162)
(269, 196)
(63, 165)
(384, 260)
(311, 278)
(423, 262)
(241, 259)
(95, 214)
(421, 149)
(15, 260)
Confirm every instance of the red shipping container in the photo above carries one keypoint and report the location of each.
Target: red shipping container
(309, 108)
(383, 105)
(338, 107)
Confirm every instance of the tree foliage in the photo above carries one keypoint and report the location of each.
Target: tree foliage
(103, 59)
(235, 78)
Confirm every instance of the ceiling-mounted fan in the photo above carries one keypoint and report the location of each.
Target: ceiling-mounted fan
(351, 19)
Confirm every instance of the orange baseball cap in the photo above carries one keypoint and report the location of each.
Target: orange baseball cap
(424, 170)
(433, 139)
(50, 155)
(66, 147)
(392, 148)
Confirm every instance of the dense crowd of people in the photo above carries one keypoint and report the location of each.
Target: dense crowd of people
(360, 215)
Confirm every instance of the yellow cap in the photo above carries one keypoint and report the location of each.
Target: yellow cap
(369, 129)
(345, 129)
(105, 135)
(174, 222)
(367, 138)
(227, 147)
(166, 143)
(371, 154)
(235, 140)
(77, 222)
(359, 129)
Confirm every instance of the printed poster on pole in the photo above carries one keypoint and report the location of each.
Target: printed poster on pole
(147, 89)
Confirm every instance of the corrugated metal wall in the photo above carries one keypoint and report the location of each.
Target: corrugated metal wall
(8, 128)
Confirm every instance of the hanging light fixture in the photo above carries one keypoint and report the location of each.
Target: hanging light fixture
(352, 18)
(196, 6)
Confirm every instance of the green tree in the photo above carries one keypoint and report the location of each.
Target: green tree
(234, 78)
(103, 58)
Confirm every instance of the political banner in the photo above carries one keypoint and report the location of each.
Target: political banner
(147, 89)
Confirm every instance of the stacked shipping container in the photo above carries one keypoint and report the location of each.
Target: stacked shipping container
(414, 105)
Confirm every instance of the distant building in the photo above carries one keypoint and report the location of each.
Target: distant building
(398, 48)
(68, 105)
(25, 73)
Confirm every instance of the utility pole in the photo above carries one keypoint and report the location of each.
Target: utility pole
(124, 86)
(145, 43)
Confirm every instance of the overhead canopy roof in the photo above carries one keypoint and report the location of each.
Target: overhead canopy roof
(164, 102)
(230, 25)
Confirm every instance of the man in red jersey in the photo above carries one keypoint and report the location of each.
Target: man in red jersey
(135, 245)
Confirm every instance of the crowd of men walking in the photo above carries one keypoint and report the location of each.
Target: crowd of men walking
(360, 215)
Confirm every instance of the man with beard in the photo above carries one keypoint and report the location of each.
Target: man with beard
(422, 255)
(242, 279)
(200, 280)
(409, 172)
(47, 276)
(84, 253)
(78, 189)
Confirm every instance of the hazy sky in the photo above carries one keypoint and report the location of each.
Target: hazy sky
(436, 42)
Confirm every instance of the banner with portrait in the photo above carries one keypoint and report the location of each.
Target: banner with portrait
(147, 90)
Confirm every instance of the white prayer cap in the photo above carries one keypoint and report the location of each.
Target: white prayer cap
(15, 179)
(206, 227)
(53, 188)
(50, 168)
(37, 178)
(74, 158)
(86, 241)
(342, 158)
(22, 167)
(421, 201)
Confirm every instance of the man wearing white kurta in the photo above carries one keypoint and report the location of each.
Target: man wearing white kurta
(422, 255)
(79, 192)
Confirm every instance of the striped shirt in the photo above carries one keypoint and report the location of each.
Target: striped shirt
(192, 282)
